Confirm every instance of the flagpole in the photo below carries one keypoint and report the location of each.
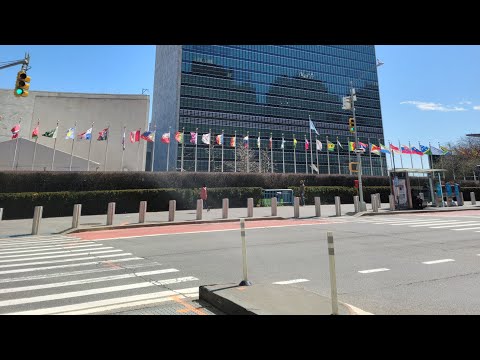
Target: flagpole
(431, 157)
(411, 157)
(338, 155)
(348, 142)
(89, 148)
(209, 147)
(153, 146)
(183, 147)
(381, 160)
(106, 149)
(15, 153)
(138, 149)
(196, 143)
(35, 148)
(168, 147)
(294, 155)
(370, 154)
(248, 162)
(55, 144)
(235, 151)
(123, 148)
(73, 143)
(421, 157)
(259, 151)
(400, 147)
(306, 156)
(283, 153)
(328, 157)
(316, 153)
(311, 150)
(441, 162)
(271, 150)
(223, 132)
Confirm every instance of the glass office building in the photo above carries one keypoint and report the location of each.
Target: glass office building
(266, 91)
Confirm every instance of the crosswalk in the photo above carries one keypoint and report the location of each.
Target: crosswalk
(465, 224)
(65, 275)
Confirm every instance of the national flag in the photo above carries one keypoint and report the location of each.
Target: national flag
(374, 149)
(15, 131)
(330, 146)
(179, 137)
(312, 127)
(70, 134)
(123, 140)
(87, 135)
(416, 151)
(103, 135)
(338, 143)
(134, 136)
(219, 139)
(245, 142)
(319, 145)
(206, 138)
(294, 143)
(384, 149)
(362, 145)
(35, 133)
(282, 146)
(426, 150)
(51, 133)
(351, 146)
(166, 138)
(193, 138)
(394, 149)
(270, 143)
(406, 149)
(233, 141)
(436, 151)
(307, 144)
(446, 151)
(148, 136)
(258, 142)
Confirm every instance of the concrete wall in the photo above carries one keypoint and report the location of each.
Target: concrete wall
(67, 108)
(166, 102)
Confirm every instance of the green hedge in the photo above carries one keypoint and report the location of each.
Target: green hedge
(327, 193)
(46, 181)
(21, 205)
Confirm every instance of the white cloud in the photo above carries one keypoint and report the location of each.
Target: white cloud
(477, 107)
(465, 102)
(430, 106)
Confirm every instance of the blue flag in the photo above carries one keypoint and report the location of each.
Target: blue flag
(312, 127)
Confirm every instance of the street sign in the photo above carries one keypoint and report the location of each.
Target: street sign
(347, 105)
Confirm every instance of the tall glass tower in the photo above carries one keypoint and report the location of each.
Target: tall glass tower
(271, 92)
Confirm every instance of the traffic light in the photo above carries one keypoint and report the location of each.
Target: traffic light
(351, 125)
(22, 84)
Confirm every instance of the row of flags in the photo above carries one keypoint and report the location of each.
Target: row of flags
(149, 136)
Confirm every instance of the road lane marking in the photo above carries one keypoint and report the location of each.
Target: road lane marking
(474, 228)
(373, 270)
(66, 251)
(48, 248)
(68, 254)
(460, 224)
(437, 261)
(290, 281)
(434, 224)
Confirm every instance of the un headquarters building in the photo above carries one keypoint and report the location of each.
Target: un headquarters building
(264, 95)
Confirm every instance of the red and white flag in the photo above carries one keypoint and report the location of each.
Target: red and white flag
(166, 138)
(35, 133)
(15, 131)
(134, 136)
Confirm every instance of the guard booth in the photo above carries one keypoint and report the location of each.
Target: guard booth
(410, 185)
(284, 196)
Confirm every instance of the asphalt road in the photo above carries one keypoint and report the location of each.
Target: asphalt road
(392, 264)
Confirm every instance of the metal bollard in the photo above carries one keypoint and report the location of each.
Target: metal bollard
(356, 203)
(225, 203)
(250, 207)
(391, 200)
(333, 278)
(318, 212)
(338, 210)
(172, 206)
(199, 209)
(373, 201)
(142, 211)
(296, 207)
(110, 213)
(379, 201)
(245, 281)
(274, 206)
(37, 215)
(461, 197)
(77, 211)
(472, 198)
(1, 213)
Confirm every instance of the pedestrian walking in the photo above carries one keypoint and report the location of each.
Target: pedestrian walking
(204, 196)
(302, 193)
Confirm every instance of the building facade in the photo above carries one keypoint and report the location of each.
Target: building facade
(268, 92)
(112, 111)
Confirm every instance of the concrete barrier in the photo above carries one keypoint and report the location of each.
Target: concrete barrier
(225, 204)
(391, 200)
(37, 216)
(356, 203)
(250, 207)
(110, 213)
(296, 207)
(461, 198)
(77, 212)
(172, 206)
(472, 198)
(338, 209)
(274, 206)
(374, 202)
(199, 209)
(142, 211)
(318, 204)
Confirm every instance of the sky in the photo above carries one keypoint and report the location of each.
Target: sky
(428, 92)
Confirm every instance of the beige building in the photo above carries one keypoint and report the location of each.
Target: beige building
(116, 111)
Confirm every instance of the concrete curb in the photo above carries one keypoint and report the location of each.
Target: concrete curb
(354, 310)
(224, 305)
(185, 222)
(394, 212)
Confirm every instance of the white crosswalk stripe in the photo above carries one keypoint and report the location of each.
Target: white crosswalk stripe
(64, 275)
(422, 222)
